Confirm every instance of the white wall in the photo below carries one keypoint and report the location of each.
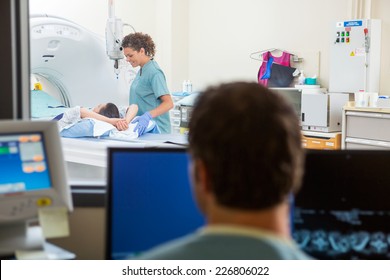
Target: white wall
(92, 14)
(225, 33)
(210, 41)
(381, 10)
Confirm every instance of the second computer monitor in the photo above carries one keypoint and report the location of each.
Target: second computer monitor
(343, 209)
(149, 200)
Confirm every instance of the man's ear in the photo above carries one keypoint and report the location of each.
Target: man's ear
(202, 176)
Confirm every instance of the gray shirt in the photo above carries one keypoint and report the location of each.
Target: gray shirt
(227, 244)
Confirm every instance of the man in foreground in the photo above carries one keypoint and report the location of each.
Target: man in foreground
(247, 161)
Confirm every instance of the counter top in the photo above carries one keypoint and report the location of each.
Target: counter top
(351, 106)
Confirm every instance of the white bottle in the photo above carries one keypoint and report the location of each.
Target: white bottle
(185, 86)
(301, 78)
(189, 86)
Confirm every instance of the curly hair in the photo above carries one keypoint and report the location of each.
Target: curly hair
(139, 40)
(249, 139)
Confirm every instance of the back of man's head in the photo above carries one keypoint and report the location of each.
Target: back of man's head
(249, 140)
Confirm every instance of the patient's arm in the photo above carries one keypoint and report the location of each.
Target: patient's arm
(85, 113)
(131, 112)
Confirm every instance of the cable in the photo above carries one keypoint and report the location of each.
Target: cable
(126, 24)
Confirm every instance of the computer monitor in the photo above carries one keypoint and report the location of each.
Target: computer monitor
(149, 199)
(32, 177)
(343, 208)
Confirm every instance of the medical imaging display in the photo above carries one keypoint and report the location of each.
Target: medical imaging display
(343, 209)
(23, 163)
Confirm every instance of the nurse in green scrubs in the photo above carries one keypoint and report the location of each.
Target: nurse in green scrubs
(149, 89)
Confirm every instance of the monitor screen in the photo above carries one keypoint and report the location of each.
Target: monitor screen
(149, 200)
(343, 209)
(24, 163)
(32, 178)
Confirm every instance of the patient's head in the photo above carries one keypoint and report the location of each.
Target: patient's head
(110, 110)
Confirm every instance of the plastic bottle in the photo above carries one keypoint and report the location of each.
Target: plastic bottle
(301, 78)
(189, 86)
(185, 86)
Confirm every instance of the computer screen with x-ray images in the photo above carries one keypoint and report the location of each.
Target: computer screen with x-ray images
(343, 209)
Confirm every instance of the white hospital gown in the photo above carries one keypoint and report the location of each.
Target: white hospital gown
(70, 117)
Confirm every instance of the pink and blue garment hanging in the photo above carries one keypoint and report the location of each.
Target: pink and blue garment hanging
(268, 59)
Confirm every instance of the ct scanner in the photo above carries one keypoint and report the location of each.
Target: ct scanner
(71, 64)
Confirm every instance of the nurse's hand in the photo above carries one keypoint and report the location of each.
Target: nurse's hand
(142, 123)
(121, 125)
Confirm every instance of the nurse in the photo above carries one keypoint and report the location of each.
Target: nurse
(149, 89)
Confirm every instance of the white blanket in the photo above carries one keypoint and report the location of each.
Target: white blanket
(72, 125)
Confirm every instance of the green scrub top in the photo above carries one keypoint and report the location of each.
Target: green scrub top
(147, 87)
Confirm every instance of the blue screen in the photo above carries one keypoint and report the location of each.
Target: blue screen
(343, 209)
(23, 161)
(149, 200)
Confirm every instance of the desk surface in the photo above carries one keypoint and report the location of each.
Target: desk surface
(49, 252)
(320, 134)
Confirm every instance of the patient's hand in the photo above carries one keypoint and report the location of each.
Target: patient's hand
(121, 124)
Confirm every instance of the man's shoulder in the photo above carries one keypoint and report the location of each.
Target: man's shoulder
(223, 246)
(170, 250)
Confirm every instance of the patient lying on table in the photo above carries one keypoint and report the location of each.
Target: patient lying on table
(100, 121)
